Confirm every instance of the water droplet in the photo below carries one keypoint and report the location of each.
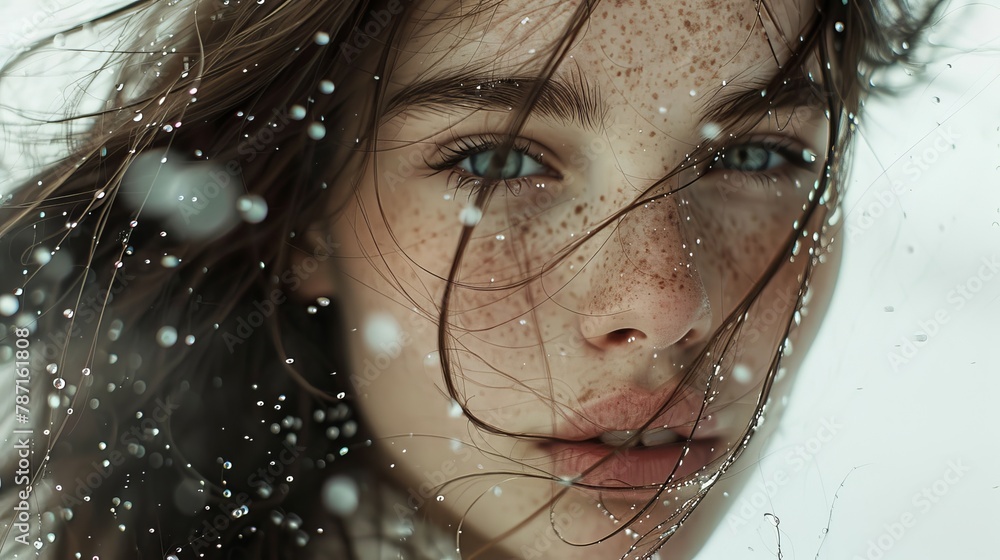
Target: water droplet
(317, 131)
(711, 131)
(169, 261)
(839, 26)
(51, 368)
(9, 305)
(341, 495)
(742, 373)
(326, 86)
(252, 208)
(166, 336)
(227, 465)
(297, 112)
(936, 99)
(59, 383)
(470, 215)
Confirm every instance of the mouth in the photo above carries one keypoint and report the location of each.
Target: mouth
(679, 442)
(632, 438)
(627, 460)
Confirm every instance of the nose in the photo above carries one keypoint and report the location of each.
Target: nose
(643, 286)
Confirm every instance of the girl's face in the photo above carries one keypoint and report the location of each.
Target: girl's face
(566, 319)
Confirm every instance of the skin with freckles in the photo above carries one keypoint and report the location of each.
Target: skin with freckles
(587, 279)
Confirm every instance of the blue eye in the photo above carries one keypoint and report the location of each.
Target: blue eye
(750, 158)
(518, 164)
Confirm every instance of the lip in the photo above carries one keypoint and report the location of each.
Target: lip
(627, 468)
(631, 408)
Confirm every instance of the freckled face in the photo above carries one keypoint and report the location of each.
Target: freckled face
(561, 303)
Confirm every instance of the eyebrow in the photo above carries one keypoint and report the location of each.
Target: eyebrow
(573, 101)
(579, 102)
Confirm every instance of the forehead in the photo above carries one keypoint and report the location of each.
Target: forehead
(651, 57)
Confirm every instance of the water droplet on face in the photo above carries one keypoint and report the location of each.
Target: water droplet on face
(710, 131)
(742, 374)
(470, 215)
(322, 38)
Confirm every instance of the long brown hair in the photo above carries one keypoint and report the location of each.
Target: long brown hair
(277, 102)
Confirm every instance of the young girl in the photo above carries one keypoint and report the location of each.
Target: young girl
(427, 279)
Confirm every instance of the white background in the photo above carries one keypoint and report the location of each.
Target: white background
(898, 426)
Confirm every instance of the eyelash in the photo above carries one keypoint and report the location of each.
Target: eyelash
(473, 145)
(789, 150)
